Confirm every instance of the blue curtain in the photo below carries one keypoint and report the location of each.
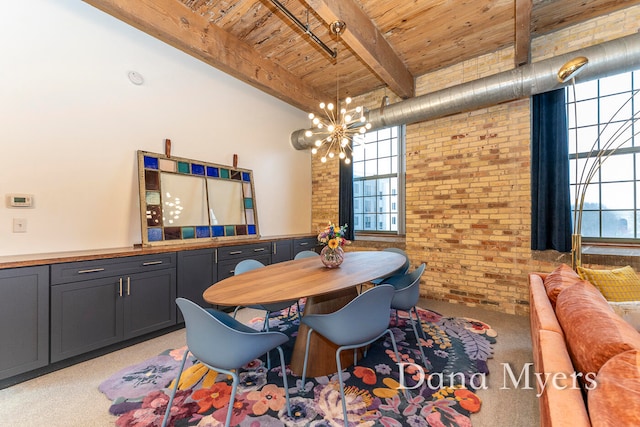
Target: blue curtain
(550, 197)
(345, 209)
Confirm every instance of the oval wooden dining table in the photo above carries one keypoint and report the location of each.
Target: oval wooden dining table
(326, 290)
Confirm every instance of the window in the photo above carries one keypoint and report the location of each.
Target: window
(378, 181)
(605, 110)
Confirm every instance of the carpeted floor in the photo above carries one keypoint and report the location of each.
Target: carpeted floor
(70, 397)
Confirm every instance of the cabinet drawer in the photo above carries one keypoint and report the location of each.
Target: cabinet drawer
(304, 244)
(243, 251)
(83, 270)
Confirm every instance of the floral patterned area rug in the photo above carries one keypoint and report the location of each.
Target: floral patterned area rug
(456, 351)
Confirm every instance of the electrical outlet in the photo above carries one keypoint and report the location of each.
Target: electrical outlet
(19, 225)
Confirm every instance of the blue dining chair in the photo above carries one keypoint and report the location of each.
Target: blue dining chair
(251, 264)
(406, 296)
(402, 270)
(306, 254)
(206, 329)
(357, 324)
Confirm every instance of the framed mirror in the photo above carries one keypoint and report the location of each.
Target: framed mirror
(185, 201)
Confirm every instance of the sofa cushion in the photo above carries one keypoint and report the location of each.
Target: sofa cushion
(615, 400)
(561, 394)
(559, 279)
(620, 284)
(593, 332)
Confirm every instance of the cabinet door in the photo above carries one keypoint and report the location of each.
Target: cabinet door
(282, 251)
(24, 320)
(149, 302)
(85, 316)
(196, 272)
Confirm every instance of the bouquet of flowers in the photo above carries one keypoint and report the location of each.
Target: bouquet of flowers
(333, 236)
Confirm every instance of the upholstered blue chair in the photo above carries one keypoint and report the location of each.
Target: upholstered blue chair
(306, 254)
(406, 296)
(402, 269)
(357, 324)
(206, 329)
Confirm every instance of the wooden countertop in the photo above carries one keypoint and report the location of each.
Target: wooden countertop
(29, 260)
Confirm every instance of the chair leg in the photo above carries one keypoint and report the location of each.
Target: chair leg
(415, 310)
(232, 400)
(342, 396)
(306, 358)
(236, 311)
(167, 412)
(415, 332)
(265, 326)
(285, 383)
(395, 350)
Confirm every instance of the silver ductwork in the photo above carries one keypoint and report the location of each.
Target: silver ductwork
(613, 57)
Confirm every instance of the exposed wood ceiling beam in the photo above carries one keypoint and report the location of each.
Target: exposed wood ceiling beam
(364, 38)
(173, 23)
(522, 31)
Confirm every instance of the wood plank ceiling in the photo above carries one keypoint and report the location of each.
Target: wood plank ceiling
(386, 43)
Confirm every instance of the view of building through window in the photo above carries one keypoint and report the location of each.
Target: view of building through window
(603, 112)
(377, 201)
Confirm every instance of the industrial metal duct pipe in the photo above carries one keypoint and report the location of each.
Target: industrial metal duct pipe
(613, 57)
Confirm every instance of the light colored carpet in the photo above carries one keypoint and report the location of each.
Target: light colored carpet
(70, 397)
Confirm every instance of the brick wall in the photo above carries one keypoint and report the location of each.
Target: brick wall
(468, 197)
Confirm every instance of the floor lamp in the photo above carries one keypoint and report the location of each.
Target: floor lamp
(568, 72)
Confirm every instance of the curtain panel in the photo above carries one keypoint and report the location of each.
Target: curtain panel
(345, 209)
(550, 194)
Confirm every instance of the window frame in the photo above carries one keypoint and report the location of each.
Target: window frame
(401, 190)
(632, 148)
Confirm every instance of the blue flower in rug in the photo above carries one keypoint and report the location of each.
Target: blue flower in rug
(147, 375)
(303, 390)
(441, 353)
(141, 379)
(252, 380)
(302, 411)
(383, 369)
(417, 421)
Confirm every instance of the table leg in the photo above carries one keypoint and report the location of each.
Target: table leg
(322, 352)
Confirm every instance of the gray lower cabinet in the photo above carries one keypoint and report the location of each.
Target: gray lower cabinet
(304, 244)
(229, 256)
(197, 270)
(24, 320)
(101, 302)
(282, 251)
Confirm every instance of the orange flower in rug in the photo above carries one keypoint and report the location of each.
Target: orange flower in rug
(468, 400)
(270, 397)
(367, 374)
(217, 396)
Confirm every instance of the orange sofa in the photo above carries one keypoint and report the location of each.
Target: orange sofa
(586, 357)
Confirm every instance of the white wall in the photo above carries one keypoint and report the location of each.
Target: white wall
(71, 122)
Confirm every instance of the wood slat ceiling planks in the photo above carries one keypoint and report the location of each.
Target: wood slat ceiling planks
(424, 34)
